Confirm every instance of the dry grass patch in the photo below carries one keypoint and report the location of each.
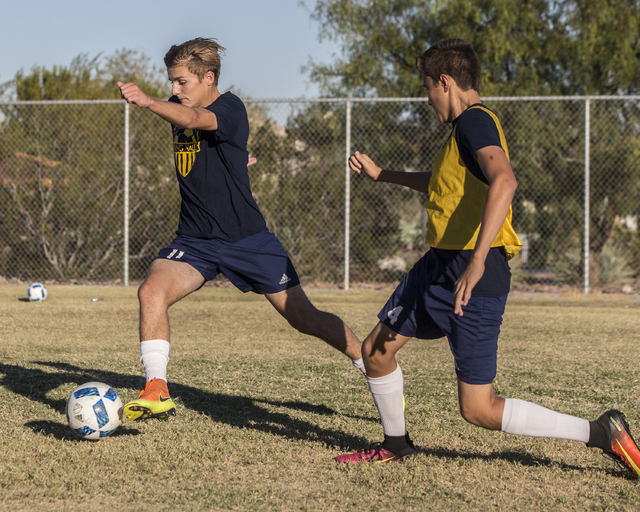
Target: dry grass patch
(263, 409)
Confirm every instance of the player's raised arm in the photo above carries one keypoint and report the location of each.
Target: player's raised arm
(183, 116)
(133, 94)
(361, 163)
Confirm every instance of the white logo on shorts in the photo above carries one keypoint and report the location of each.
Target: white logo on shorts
(394, 314)
(173, 253)
(284, 279)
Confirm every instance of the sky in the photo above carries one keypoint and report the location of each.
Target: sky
(267, 41)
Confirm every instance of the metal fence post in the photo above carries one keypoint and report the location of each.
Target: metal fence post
(347, 196)
(126, 197)
(52, 238)
(587, 187)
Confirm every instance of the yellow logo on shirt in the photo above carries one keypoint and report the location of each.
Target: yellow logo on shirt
(186, 143)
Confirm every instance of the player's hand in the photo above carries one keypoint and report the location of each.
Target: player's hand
(251, 161)
(362, 163)
(133, 94)
(465, 285)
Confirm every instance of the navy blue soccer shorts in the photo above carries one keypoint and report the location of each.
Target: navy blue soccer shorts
(257, 263)
(420, 308)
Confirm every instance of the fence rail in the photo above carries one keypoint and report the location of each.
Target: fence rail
(87, 189)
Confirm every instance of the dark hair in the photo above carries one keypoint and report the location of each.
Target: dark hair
(453, 57)
(199, 55)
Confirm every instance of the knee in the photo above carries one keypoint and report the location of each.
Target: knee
(471, 415)
(149, 294)
(302, 317)
(481, 415)
(373, 358)
(300, 325)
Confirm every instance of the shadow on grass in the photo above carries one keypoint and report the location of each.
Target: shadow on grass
(524, 459)
(237, 411)
(62, 432)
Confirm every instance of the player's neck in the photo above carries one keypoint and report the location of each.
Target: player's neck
(462, 100)
(212, 95)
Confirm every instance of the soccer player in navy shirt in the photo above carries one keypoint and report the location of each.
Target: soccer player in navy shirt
(459, 288)
(221, 229)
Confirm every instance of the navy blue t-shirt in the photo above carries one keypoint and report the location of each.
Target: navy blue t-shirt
(474, 130)
(211, 167)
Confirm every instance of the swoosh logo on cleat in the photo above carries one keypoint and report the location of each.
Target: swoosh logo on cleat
(615, 423)
(164, 399)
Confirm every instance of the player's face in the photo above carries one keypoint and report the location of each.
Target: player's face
(438, 98)
(188, 88)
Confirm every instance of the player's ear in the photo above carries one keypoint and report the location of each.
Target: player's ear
(446, 83)
(210, 78)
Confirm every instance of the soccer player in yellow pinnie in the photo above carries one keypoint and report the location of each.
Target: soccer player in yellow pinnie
(459, 288)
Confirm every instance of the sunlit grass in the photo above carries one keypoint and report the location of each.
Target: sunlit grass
(263, 409)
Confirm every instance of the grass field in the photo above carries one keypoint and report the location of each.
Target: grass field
(263, 409)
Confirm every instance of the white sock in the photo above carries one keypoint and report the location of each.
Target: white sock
(526, 419)
(388, 392)
(154, 356)
(359, 364)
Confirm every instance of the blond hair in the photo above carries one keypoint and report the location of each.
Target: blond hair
(200, 55)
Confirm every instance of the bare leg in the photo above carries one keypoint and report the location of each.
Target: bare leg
(167, 282)
(480, 406)
(379, 350)
(297, 309)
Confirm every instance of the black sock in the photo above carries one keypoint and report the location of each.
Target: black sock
(598, 437)
(397, 444)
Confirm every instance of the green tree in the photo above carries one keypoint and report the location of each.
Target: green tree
(526, 47)
(87, 78)
(61, 170)
(298, 184)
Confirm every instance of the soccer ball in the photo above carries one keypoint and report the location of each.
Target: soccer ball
(37, 292)
(94, 410)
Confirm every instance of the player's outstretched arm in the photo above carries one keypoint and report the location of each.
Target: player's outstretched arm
(133, 94)
(175, 113)
(362, 164)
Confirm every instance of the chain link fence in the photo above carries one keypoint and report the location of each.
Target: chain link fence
(70, 170)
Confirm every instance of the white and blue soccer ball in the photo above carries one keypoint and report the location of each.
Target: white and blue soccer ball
(37, 292)
(94, 410)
